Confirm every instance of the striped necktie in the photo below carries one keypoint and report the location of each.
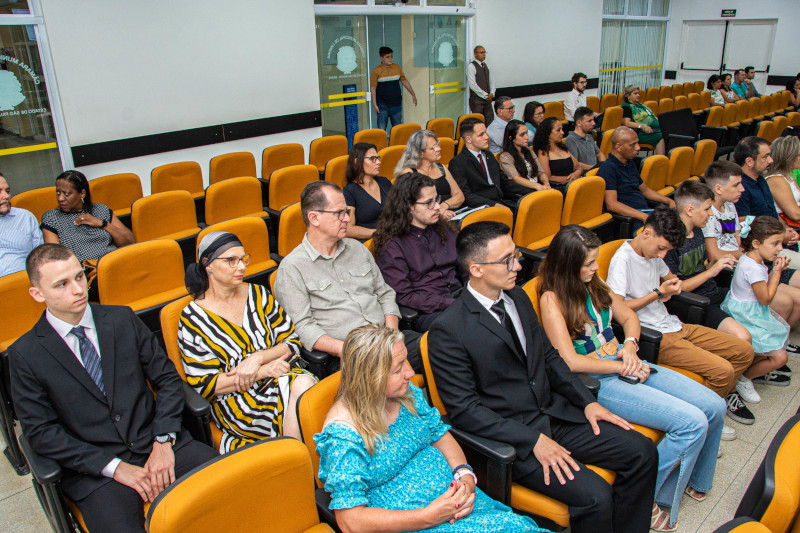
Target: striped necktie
(90, 358)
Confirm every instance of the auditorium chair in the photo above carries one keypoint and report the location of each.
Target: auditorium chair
(743, 118)
(681, 102)
(606, 101)
(593, 103)
(538, 220)
(605, 144)
(182, 176)
(699, 86)
(478, 116)
(167, 215)
(755, 109)
(18, 314)
(665, 92)
(794, 118)
(448, 147)
(556, 110)
(680, 165)
(704, 152)
(390, 156)
(37, 201)
(773, 496)
(679, 128)
(291, 230)
(374, 136)
(767, 130)
(281, 156)
(766, 107)
(705, 100)
(744, 524)
(583, 205)
(495, 213)
(264, 485)
(653, 105)
(654, 173)
(651, 94)
(252, 233)
(231, 165)
(696, 105)
(612, 118)
(442, 127)
(335, 170)
(117, 192)
(786, 107)
(688, 88)
(399, 134)
(233, 198)
(145, 276)
(781, 123)
(324, 149)
(677, 90)
(665, 105)
(285, 186)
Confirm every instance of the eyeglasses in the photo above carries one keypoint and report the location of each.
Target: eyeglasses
(233, 261)
(373, 158)
(340, 214)
(431, 204)
(509, 261)
(433, 147)
(539, 114)
(509, 107)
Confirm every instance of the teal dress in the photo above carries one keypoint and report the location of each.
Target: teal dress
(405, 471)
(642, 114)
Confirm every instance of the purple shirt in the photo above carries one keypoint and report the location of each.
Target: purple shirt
(422, 272)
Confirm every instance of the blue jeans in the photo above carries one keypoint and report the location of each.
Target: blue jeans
(691, 417)
(385, 113)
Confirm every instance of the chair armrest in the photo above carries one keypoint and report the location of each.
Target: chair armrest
(689, 307)
(492, 461)
(530, 263)
(276, 257)
(326, 514)
(44, 470)
(197, 415)
(623, 225)
(649, 342)
(273, 214)
(592, 383)
(317, 362)
(408, 317)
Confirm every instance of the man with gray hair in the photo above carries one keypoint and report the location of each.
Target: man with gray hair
(504, 109)
(330, 285)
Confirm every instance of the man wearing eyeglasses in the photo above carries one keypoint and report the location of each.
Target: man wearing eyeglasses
(330, 285)
(504, 109)
(499, 377)
(576, 98)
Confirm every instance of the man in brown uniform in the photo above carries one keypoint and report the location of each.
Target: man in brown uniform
(481, 85)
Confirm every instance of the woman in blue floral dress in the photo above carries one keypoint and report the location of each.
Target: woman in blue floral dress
(387, 459)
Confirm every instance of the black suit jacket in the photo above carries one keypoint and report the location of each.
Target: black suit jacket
(476, 188)
(65, 415)
(492, 390)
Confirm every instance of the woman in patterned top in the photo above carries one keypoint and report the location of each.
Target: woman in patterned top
(576, 311)
(90, 230)
(239, 347)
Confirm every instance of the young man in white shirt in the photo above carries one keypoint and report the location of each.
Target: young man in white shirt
(575, 98)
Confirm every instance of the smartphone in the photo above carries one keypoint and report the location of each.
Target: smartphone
(653, 370)
(633, 380)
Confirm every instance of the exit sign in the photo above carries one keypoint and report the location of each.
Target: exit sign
(728, 13)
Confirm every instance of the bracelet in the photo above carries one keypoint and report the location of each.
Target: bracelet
(459, 467)
(659, 294)
(634, 339)
(458, 475)
(447, 204)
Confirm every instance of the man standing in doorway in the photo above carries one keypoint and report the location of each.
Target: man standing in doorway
(481, 85)
(384, 84)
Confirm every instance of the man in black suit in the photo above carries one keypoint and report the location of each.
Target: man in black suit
(500, 378)
(476, 171)
(79, 384)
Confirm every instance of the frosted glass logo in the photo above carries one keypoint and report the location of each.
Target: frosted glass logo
(346, 59)
(10, 91)
(446, 54)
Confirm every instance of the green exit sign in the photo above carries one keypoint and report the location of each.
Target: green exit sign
(728, 13)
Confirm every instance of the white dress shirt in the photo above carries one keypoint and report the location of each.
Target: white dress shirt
(511, 311)
(485, 165)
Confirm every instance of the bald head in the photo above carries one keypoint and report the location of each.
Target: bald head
(625, 143)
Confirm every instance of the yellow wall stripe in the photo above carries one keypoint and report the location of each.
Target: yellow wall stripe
(440, 91)
(345, 95)
(449, 84)
(346, 102)
(629, 68)
(31, 148)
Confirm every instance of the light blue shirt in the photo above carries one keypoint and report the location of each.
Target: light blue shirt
(19, 234)
(496, 130)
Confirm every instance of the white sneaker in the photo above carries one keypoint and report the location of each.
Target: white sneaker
(728, 433)
(747, 391)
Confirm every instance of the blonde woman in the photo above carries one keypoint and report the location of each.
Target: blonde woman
(785, 152)
(387, 459)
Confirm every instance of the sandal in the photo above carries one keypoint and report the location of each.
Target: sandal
(695, 494)
(660, 520)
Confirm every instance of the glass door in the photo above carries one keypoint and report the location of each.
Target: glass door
(445, 50)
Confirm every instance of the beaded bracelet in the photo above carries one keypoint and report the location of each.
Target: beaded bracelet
(459, 467)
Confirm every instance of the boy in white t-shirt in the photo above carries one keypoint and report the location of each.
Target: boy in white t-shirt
(722, 229)
(638, 273)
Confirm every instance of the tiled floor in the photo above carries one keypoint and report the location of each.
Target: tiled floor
(20, 511)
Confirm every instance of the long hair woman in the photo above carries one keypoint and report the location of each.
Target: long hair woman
(517, 160)
(365, 191)
(548, 144)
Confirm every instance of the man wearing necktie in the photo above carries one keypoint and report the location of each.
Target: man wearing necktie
(79, 381)
(499, 377)
(481, 85)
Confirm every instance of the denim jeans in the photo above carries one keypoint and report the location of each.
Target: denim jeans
(385, 113)
(691, 417)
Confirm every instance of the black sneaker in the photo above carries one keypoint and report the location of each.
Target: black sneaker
(774, 379)
(784, 371)
(792, 349)
(738, 411)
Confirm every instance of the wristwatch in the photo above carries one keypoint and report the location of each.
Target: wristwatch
(659, 293)
(168, 437)
(104, 224)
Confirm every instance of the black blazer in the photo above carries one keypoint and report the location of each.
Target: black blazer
(492, 390)
(476, 188)
(65, 416)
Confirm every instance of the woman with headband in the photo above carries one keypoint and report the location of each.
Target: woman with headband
(239, 348)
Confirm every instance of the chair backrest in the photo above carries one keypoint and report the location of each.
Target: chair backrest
(269, 479)
(312, 408)
(170, 318)
(742, 111)
(538, 218)
(699, 85)
(430, 382)
(400, 133)
(372, 136)
(785, 95)
(653, 105)
(116, 191)
(776, 100)
(755, 107)
(182, 176)
(335, 170)
(665, 91)
(681, 160)
(37, 201)
(729, 115)
(584, 200)
(280, 156)
(554, 109)
(767, 130)
(781, 124)
(620, 98)
(605, 143)
(286, 184)
(496, 213)
(681, 102)
(233, 198)
(232, 165)
(448, 147)
(665, 105)
(461, 119)
(766, 105)
(604, 255)
(677, 90)
(715, 116)
(326, 148)
(390, 156)
(163, 214)
(254, 236)
(688, 88)
(704, 152)
(442, 127)
(291, 229)
(19, 311)
(607, 100)
(593, 103)
(531, 288)
(705, 99)
(651, 94)
(655, 170)
(695, 102)
(141, 275)
(612, 118)
(794, 118)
